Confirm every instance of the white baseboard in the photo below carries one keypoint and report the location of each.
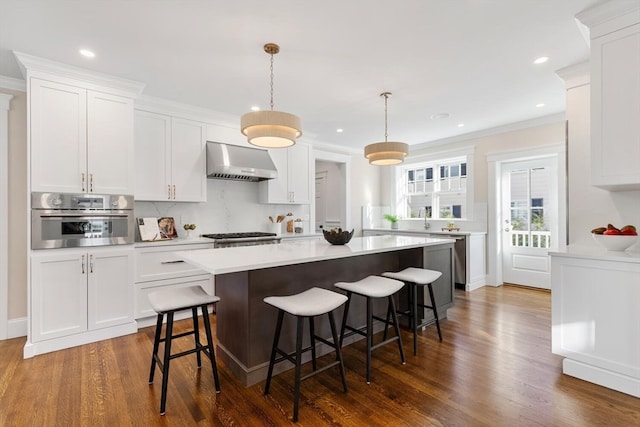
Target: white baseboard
(603, 377)
(17, 327)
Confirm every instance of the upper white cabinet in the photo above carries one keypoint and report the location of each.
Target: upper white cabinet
(81, 140)
(170, 158)
(615, 94)
(293, 183)
(80, 128)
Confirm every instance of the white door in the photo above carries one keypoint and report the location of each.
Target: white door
(529, 220)
(188, 161)
(152, 144)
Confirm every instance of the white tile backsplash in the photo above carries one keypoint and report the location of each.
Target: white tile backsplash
(232, 206)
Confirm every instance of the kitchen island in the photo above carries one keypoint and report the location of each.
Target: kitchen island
(245, 275)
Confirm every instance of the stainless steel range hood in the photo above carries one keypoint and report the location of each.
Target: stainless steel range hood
(226, 161)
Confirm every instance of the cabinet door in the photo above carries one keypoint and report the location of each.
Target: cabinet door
(58, 294)
(110, 143)
(188, 160)
(298, 175)
(277, 190)
(110, 287)
(615, 104)
(152, 143)
(58, 137)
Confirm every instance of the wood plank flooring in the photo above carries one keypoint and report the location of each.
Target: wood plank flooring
(493, 368)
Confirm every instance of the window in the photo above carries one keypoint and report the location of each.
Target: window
(436, 190)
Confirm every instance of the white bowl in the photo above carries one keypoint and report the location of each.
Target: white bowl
(615, 243)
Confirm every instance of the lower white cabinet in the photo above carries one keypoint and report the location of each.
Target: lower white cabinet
(595, 317)
(78, 290)
(157, 267)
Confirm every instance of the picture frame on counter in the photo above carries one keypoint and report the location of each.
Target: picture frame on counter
(154, 229)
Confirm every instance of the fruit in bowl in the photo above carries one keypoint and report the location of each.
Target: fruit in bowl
(615, 239)
(336, 236)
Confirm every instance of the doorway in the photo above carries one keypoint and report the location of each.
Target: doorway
(332, 194)
(530, 220)
(499, 211)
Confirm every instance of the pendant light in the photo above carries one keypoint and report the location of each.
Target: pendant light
(386, 153)
(271, 129)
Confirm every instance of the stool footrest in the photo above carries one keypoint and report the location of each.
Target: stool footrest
(317, 371)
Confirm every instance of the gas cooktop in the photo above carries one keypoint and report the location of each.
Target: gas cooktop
(239, 235)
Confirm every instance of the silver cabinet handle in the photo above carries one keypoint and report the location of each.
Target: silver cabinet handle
(82, 178)
(168, 192)
(90, 263)
(91, 183)
(82, 264)
(506, 229)
(174, 191)
(172, 262)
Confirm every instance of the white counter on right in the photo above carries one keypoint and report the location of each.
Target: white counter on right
(595, 314)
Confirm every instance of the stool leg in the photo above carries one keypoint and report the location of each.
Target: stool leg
(332, 322)
(396, 326)
(312, 339)
(414, 315)
(167, 360)
(435, 310)
(369, 337)
(296, 393)
(156, 344)
(344, 317)
(196, 333)
(386, 322)
(212, 354)
(276, 339)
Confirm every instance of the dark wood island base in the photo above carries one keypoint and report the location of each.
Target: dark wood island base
(245, 324)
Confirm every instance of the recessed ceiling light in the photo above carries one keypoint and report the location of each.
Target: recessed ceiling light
(541, 60)
(87, 53)
(339, 130)
(440, 116)
(255, 108)
(540, 105)
(460, 125)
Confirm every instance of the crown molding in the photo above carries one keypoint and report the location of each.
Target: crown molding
(609, 16)
(12, 84)
(33, 66)
(575, 75)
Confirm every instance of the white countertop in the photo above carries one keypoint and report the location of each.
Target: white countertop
(423, 232)
(597, 253)
(297, 251)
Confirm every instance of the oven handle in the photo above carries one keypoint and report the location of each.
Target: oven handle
(84, 215)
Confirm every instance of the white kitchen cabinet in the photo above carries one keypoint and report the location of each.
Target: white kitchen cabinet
(170, 158)
(615, 96)
(595, 319)
(75, 291)
(293, 183)
(157, 267)
(81, 140)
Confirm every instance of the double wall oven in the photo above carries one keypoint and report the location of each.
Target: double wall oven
(64, 220)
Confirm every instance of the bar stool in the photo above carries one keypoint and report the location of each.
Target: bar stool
(169, 302)
(372, 287)
(306, 305)
(415, 277)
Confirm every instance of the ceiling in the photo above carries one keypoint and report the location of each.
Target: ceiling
(471, 59)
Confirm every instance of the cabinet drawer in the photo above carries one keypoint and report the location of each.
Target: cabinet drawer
(142, 290)
(161, 263)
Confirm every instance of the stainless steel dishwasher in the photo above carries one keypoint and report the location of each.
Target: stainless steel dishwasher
(460, 256)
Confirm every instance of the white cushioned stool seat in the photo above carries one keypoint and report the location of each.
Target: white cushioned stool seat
(312, 302)
(180, 298)
(372, 286)
(419, 276)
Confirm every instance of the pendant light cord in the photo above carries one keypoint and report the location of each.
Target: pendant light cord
(271, 68)
(386, 97)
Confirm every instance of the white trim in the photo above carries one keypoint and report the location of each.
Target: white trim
(336, 158)
(17, 327)
(575, 75)
(609, 16)
(12, 84)
(495, 160)
(5, 104)
(41, 67)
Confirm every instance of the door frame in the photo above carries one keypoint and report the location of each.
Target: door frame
(494, 187)
(5, 100)
(342, 159)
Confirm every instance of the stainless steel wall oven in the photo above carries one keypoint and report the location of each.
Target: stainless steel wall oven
(63, 220)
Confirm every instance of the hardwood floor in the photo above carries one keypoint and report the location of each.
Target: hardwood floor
(493, 368)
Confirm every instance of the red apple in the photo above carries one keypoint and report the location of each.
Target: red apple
(612, 232)
(628, 231)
